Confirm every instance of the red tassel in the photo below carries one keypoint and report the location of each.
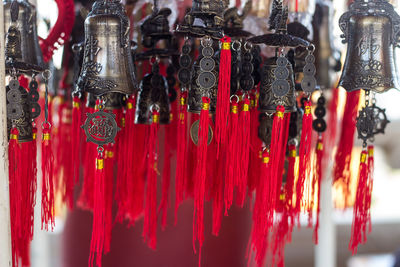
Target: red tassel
(276, 148)
(200, 179)
(291, 176)
(218, 194)
(244, 151)
(255, 145)
(361, 214)
(343, 153)
(261, 223)
(181, 154)
(224, 87)
(304, 158)
(330, 135)
(109, 165)
(76, 134)
(97, 244)
(166, 175)
(47, 180)
(316, 185)
(150, 213)
(232, 164)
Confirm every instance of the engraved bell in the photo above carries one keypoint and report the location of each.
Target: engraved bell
(371, 31)
(26, 24)
(268, 100)
(107, 63)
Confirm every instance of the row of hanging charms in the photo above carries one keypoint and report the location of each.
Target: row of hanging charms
(371, 30)
(22, 110)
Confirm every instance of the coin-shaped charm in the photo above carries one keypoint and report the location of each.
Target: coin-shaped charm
(101, 127)
(35, 110)
(14, 111)
(281, 73)
(207, 64)
(14, 96)
(280, 88)
(247, 68)
(309, 69)
(33, 96)
(247, 56)
(207, 51)
(246, 83)
(33, 85)
(310, 58)
(13, 84)
(186, 49)
(184, 76)
(206, 80)
(184, 61)
(308, 84)
(194, 133)
(281, 61)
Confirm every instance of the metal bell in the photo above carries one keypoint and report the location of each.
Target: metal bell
(268, 100)
(371, 29)
(327, 57)
(107, 63)
(112, 101)
(153, 94)
(26, 24)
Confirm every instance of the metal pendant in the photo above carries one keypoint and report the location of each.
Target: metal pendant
(100, 127)
(194, 133)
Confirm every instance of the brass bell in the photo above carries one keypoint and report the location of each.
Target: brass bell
(268, 100)
(26, 24)
(153, 94)
(107, 63)
(112, 101)
(371, 30)
(327, 57)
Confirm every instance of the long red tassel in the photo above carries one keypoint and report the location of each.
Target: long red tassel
(181, 154)
(200, 179)
(341, 171)
(255, 145)
(76, 134)
(261, 223)
(244, 151)
(224, 87)
(232, 164)
(330, 136)
(304, 158)
(47, 180)
(218, 194)
(109, 165)
(361, 214)
(316, 185)
(276, 149)
(97, 243)
(150, 214)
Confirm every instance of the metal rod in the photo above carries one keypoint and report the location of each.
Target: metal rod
(5, 230)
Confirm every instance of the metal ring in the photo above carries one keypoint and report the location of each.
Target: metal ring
(46, 74)
(206, 41)
(248, 46)
(232, 96)
(311, 48)
(293, 141)
(155, 107)
(156, 59)
(239, 45)
(46, 123)
(100, 149)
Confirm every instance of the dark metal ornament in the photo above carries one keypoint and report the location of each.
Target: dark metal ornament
(22, 15)
(203, 81)
(107, 64)
(319, 124)
(153, 92)
(185, 62)
(247, 68)
(371, 30)
(194, 133)
(205, 18)
(33, 98)
(100, 127)
(309, 83)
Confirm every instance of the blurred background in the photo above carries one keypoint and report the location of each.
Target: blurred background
(68, 245)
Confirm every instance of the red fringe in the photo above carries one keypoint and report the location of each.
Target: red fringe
(361, 215)
(181, 154)
(316, 185)
(109, 165)
(232, 164)
(47, 181)
(255, 146)
(304, 159)
(341, 171)
(330, 135)
(97, 244)
(224, 86)
(200, 179)
(218, 193)
(150, 214)
(261, 222)
(244, 151)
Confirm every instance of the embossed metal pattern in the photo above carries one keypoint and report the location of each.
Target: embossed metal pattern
(100, 128)
(107, 64)
(371, 30)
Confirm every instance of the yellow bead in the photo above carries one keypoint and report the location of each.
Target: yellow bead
(99, 164)
(226, 46)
